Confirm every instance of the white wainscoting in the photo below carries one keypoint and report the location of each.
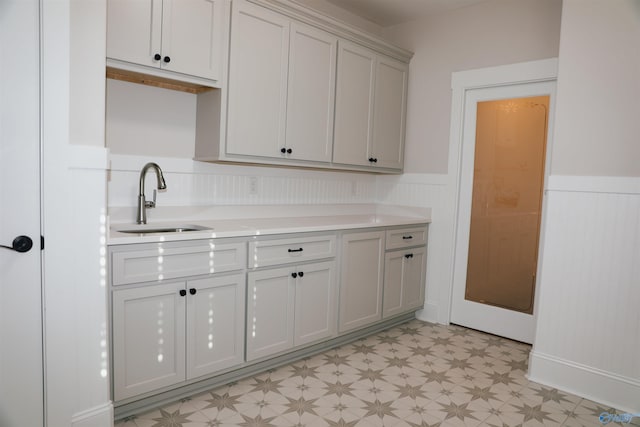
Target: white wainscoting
(425, 190)
(588, 319)
(191, 183)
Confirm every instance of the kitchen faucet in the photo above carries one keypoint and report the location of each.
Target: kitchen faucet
(142, 202)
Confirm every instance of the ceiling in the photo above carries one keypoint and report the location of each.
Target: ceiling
(392, 12)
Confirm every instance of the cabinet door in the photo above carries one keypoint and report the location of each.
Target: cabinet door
(404, 278)
(257, 81)
(315, 304)
(361, 279)
(311, 89)
(148, 338)
(393, 283)
(134, 31)
(389, 113)
(192, 37)
(270, 311)
(215, 324)
(354, 104)
(414, 275)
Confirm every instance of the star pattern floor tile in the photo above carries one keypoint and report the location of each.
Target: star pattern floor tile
(414, 375)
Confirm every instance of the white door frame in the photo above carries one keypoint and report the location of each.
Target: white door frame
(461, 83)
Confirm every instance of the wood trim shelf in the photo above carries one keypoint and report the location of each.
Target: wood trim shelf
(150, 80)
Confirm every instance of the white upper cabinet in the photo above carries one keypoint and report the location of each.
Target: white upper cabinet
(370, 109)
(258, 71)
(389, 111)
(311, 89)
(180, 36)
(354, 104)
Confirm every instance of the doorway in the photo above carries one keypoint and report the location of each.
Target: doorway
(499, 207)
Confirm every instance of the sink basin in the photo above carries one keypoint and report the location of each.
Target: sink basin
(146, 229)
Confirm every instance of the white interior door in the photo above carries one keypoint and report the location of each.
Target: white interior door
(21, 372)
(490, 242)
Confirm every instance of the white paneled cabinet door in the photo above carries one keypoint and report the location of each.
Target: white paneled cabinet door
(361, 279)
(258, 72)
(415, 272)
(311, 89)
(148, 338)
(315, 316)
(134, 31)
(354, 104)
(215, 324)
(404, 279)
(270, 311)
(387, 146)
(192, 37)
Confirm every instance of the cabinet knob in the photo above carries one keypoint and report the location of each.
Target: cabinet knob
(167, 59)
(183, 292)
(157, 57)
(193, 291)
(301, 274)
(283, 150)
(294, 275)
(289, 151)
(375, 160)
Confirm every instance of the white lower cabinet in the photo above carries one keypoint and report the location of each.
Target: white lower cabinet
(168, 333)
(289, 306)
(361, 279)
(404, 277)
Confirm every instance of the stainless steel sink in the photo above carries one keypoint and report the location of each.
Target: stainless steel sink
(149, 229)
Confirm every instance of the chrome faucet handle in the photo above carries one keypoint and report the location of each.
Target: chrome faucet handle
(151, 204)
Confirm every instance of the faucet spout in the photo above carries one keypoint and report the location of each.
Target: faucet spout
(142, 202)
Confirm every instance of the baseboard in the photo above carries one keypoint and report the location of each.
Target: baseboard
(98, 416)
(594, 384)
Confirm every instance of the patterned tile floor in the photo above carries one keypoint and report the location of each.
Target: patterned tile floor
(415, 374)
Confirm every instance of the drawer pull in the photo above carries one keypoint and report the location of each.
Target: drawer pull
(183, 292)
(301, 274)
(294, 275)
(294, 250)
(193, 291)
(407, 237)
(407, 256)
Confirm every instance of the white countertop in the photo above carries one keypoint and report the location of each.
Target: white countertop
(237, 221)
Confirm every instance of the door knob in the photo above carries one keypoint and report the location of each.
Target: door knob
(20, 244)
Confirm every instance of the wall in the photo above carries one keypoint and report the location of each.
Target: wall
(491, 33)
(74, 214)
(599, 130)
(588, 323)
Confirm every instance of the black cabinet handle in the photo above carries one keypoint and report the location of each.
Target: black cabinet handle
(193, 291)
(407, 237)
(167, 59)
(407, 256)
(183, 292)
(289, 151)
(375, 160)
(283, 150)
(371, 159)
(301, 274)
(157, 57)
(294, 275)
(294, 250)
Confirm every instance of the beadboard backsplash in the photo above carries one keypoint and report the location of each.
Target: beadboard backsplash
(191, 183)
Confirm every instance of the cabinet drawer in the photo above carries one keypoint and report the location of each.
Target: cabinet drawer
(282, 251)
(406, 237)
(162, 261)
